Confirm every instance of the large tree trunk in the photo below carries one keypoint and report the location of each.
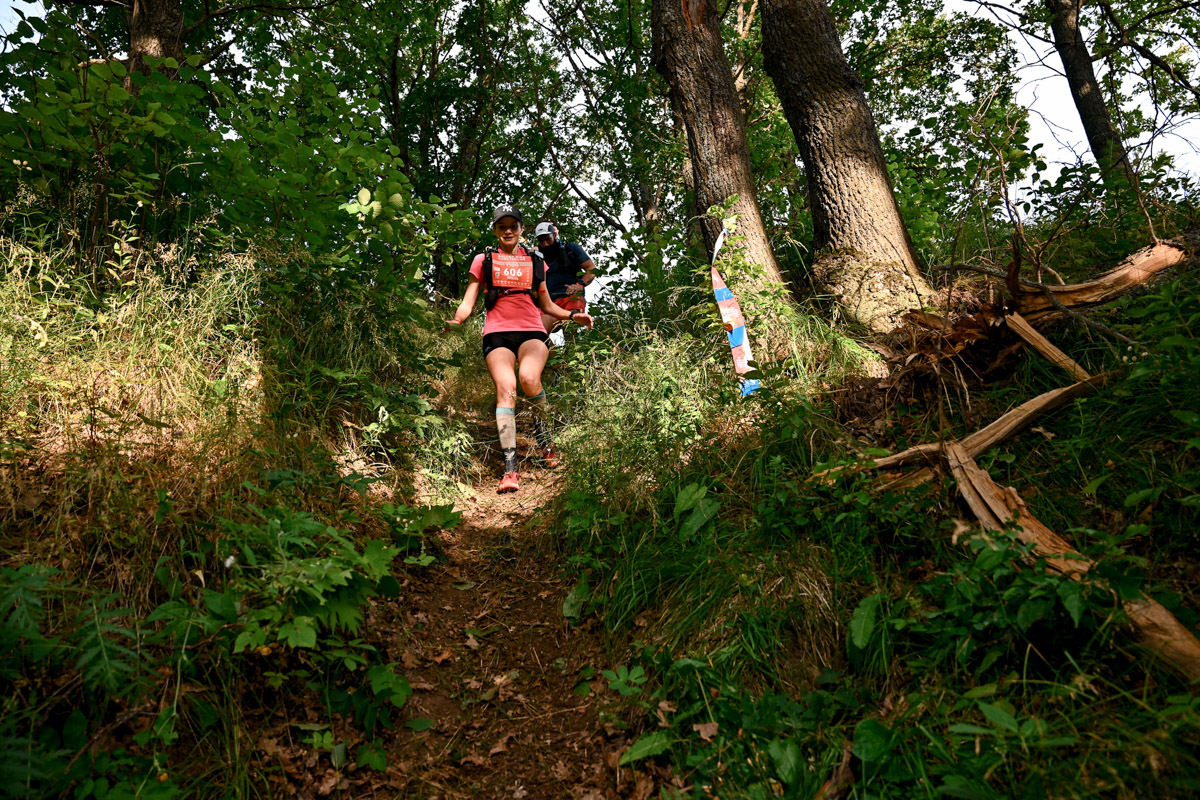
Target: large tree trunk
(865, 255)
(689, 54)
(1102, 136)
(156, 30)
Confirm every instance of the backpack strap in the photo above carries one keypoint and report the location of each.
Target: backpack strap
(539, 270)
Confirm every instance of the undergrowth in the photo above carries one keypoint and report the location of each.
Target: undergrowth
(205, 481)
(783, 614)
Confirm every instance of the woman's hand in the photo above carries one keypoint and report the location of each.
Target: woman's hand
(452, 325)
(582, 319)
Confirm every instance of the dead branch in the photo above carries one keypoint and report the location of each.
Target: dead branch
(1154, 626)
(1018, 325)
(1002, 429)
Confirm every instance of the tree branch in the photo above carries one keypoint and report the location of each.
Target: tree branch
(267, 9)
(1126, 40)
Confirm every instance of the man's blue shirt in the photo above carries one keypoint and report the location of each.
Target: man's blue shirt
(560, 276)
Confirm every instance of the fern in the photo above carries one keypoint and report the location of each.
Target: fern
(105, 660)
(21, 613)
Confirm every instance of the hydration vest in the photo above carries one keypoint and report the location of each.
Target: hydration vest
(505, 274)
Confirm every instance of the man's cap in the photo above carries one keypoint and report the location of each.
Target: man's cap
(505, 210)
(544, 229)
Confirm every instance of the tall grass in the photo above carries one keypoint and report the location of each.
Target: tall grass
(169, 451)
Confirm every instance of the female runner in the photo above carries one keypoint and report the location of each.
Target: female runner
(514, 282)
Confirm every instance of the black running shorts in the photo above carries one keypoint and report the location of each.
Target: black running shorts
(512, 340)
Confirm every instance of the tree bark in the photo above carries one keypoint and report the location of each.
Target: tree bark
(1103, 139)
(689, 54)
(156, 30)
(865, 256)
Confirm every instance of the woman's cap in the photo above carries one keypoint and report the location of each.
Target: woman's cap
(544, 229)
(505, 210)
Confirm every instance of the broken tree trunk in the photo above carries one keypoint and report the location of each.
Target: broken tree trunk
(1136, 272)
(1155, 627)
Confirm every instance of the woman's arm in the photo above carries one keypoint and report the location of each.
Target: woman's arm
(558, 312)
(468, 302)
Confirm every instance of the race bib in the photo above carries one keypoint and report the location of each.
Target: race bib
(512, 271)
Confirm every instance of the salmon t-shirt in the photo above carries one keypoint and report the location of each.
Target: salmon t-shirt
(513, 312)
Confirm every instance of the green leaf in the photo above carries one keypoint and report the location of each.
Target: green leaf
(872, 740)
(419, 724)
(700, 516)
(364, 197)
(1071, 594)
(1139, 497)
(1031, 611)
(650, 744)
(370, 754)
(688, 497)
(862, 621)
(786, 755)
(574, 602)
(999, 717)
(116, 94)
(299, 633)
(1094, 484)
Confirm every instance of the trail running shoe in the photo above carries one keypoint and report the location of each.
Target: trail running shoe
(509, 483)
(549, 456)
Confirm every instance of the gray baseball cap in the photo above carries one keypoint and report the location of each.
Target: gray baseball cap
(506, 210)
(544, 229)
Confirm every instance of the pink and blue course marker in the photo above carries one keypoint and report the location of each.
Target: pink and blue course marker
(735, 324)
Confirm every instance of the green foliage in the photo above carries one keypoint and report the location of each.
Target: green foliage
(965, 672)
(292, 576)
(220, 353)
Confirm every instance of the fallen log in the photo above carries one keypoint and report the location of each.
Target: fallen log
(1018, 325)
(1154, 626)
(1139, 270)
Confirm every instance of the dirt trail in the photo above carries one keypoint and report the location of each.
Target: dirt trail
(494, 664)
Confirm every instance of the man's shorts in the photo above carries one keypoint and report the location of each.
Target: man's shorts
(572, 302)
(512, 340)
